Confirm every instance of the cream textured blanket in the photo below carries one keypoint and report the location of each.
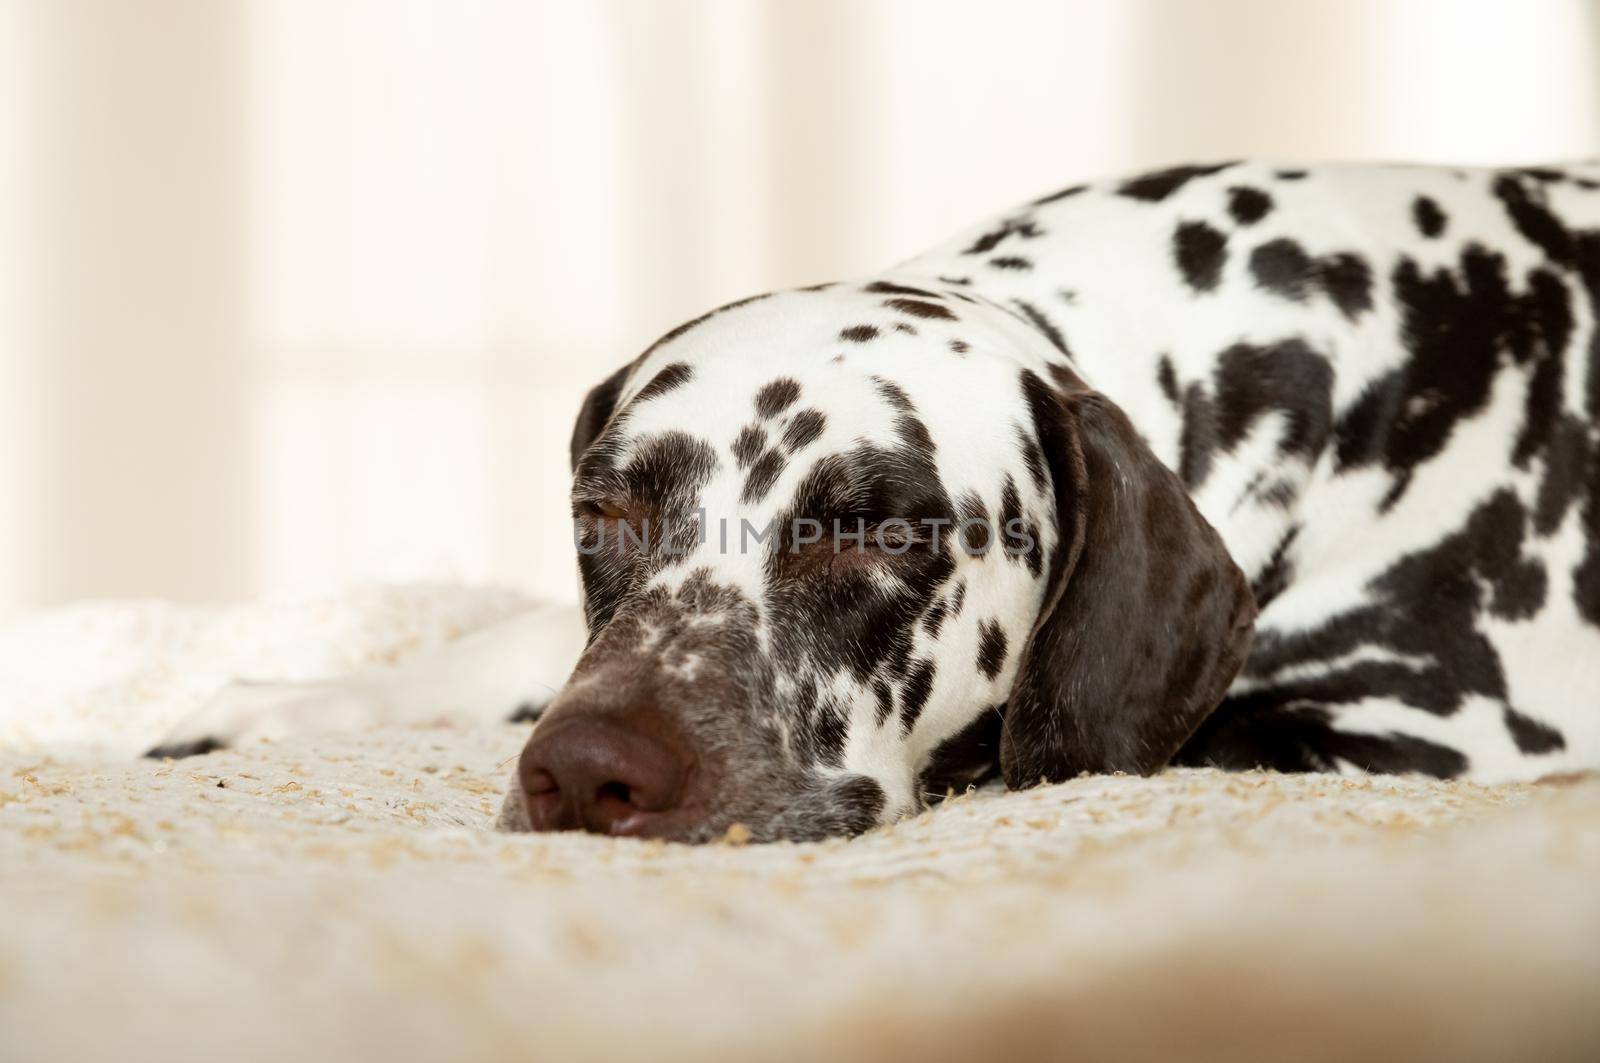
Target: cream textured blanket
(343, 898)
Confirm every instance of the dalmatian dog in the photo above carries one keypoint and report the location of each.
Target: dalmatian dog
(1236, 465)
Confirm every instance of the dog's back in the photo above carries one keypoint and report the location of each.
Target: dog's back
(1382, 385)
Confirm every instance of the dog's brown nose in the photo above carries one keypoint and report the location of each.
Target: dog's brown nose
(602, 776)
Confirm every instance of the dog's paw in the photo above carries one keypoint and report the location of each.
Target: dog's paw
(177, 750)
(530, 708)
(244, 712)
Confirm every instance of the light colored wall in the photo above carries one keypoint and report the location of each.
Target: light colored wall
(293, 293)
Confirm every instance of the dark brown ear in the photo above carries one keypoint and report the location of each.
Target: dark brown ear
(1146, 618)
(598, 407)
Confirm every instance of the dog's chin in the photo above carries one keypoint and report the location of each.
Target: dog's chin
(515, 819)
(842, 808)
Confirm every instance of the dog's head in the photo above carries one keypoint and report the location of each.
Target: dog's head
(843, 550)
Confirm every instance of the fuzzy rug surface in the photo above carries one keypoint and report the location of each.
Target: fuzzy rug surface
(343, 897)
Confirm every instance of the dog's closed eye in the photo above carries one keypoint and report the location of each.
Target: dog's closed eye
(617, 526)
(850, 545)
(602, 509)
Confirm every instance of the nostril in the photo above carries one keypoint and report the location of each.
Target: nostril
(600, 775)
(615, 808)
(541, 794)
(615, 791)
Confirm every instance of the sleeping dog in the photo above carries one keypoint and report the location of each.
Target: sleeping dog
(1233, 465)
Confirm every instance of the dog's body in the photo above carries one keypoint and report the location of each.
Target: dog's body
(1379, 385)
(1382, 386)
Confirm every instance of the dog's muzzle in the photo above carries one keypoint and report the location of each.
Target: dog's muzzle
(619, 774)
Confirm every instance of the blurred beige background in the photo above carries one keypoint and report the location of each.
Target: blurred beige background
(297, 293)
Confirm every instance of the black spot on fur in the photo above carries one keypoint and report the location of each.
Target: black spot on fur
(991, 649)
(887, 288)
(1535, 221)
(894, 394)
(1274, 577)
(1575, 253)
(776, 396)
(901, 326)
(1248, 205)
(909, 427)
(1430, 219)
(883, 694)
(1197, 442)
(1281, 493)
(1011, 262)
(933, 619)
(1253, 732)
(1043, 324)
(748, 445)
(1423, 610)
(670, 377)
(1032, 457)
(1347, 280)
(1361, 435)
(1019, 536)
(960, 281)
(1200, 252)
(1566, 461)
(1531, 736)
(666, 470)
(920, 308)
(1023, 227)
(914, 695)
(1055, 197)
(762, 476)
(1458, 326)
(1167, 378)
(1290, 175)
(1282, 266)
(1552, 308)
(859, 334)
(975, 533)
(824, 726)
(959, 346)
(1287, 378)
(1156, 186)
(804, 429)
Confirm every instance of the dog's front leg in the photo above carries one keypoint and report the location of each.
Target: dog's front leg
(510, 670)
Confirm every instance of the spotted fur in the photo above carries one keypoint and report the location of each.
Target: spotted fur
(1233, 464)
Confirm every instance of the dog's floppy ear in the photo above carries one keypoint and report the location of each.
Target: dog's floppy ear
(598, 407)
(1146, 617)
